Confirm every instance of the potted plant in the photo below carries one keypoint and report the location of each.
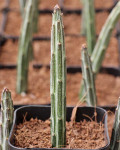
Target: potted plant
(59, 113)
(43, 113)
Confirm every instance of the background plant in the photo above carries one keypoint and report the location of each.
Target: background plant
(102, 42)
(25, 51)
(36, 13)
(88, 77)
(88, 24)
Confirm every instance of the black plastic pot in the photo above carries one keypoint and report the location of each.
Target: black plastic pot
(43, 113)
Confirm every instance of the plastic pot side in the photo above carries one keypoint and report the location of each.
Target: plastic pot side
(43, 113)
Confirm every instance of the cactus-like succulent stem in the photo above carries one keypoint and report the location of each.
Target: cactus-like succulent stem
(88, 77)
(35, 9)
(25, 43)
(35, 21)
(58, 81)
(104, 38)
(115, 138)
(103, 41)
(7, 117)
(90, 25)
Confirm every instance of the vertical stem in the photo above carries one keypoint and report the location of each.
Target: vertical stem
(58, 81)
(104, 38)
(90, 25)
(25, 48)
(88, 77)
(7, 117)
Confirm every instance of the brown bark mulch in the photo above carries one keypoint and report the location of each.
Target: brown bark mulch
(84, 134)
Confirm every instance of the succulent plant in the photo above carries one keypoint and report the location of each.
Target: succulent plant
(35, 9)
(25, 50)
(58, 81)
(88, 77)
(7, 117)
(104, 38)
(115, 138)
(102, 42)
(90, 25)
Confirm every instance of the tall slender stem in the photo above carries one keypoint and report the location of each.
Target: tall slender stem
(25, 42)
(7, 117)
(88, 77)
(58, 81)
(90, 25)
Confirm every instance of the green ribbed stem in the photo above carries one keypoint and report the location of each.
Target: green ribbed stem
(25, 50)
(88, 77)
(103, 41)
(7, 118)
(58, 81)
(90, 25)
(104, 38)
(35, 9)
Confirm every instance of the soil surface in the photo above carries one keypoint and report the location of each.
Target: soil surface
(39, 87)
(36, 134)
(110, 122)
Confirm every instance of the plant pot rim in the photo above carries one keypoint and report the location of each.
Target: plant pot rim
(68, 107)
